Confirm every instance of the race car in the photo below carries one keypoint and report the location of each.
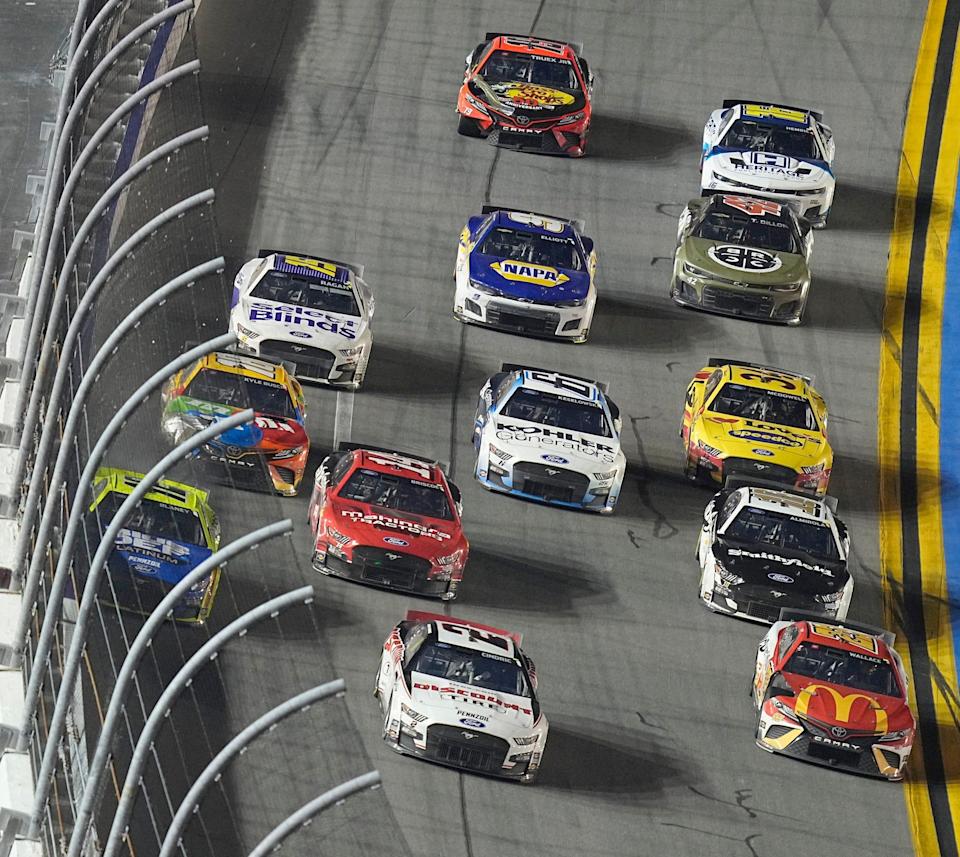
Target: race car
(742, 256)
(461, 694)
(271, 452)
(834, 694)
(527, 93)
(762, 550)
(526, 273)
(310, 312)
(755, 423)
(550, 437)
(167, 535)
(389, 519)
(773, 151)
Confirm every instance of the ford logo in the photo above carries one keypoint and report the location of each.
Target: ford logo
(764, 452)
(476, 724)
(780, 578)
(555, 459)
(299, 334)
(393, 540)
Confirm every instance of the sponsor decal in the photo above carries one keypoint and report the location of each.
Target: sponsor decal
(753, 207)
(555, 437)
(747, 259)
(758, 436)
(764, 452)
(378, 520)
(315, 268)
(845, 635)
(475, 697)
(164, 549)
(555, 459)
(531, 94)
(781, 560)
(521, 272)
(394, 459)
(393, 540)
(473, 715)
(304, 317)
(763, 111)
(780, 578)
(476, 724)
(842, 704)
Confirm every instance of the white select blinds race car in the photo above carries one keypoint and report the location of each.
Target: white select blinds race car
(550, 437)
(773, 151)
(312, 312)
(461, 694)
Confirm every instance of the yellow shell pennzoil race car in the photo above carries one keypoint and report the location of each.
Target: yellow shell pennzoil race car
(756, 425)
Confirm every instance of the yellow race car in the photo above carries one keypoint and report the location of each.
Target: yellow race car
(755, 425)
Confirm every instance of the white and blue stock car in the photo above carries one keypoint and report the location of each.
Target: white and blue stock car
(526, 273)
(549, 437)
(305, 310)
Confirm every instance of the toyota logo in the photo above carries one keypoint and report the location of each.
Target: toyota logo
(523, 120)
(234, 451)
(838, 732)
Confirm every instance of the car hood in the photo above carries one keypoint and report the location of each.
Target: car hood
(749, 265)
(377, 526)
(299, 324)
(776, 172)
(518, 98)
(265, 434)
(742, 438)
(854, 710)
(549, 445)
(538, 283)
(781, 569)
(451, 702)
(167, 560)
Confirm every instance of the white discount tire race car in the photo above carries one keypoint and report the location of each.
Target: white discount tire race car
(773, 151)
(762, 550)
(550, 437)
(312, 312)
(461, 694)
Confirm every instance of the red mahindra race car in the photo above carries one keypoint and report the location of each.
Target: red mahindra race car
(834, 694)
(388, 519)
(527, 93)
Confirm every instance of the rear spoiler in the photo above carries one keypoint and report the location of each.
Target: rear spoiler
(724, 361)
(577, 46)
(357, 269)
(346, 446)
(513, 367)
(418, 616)
(576, 224)
(733, 102)
(735, 482)
(789, 615)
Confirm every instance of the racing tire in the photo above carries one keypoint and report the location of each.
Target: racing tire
(692, 470)
(467, 127)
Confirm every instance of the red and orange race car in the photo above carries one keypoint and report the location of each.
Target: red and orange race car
(388, 519)
(527, 93)
(834, 694)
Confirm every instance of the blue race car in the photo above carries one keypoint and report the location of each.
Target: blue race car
(526, 273)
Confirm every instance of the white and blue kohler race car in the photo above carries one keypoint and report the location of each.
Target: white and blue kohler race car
(772, 151)
(312, 312)
(549, 437)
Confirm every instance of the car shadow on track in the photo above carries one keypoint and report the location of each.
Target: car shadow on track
(595, 758)
(839, 303)
(623, 138)
(645, 321)
(859, 207)
(397, 370)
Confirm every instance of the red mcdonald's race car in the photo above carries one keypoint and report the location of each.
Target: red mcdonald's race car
(527, 93)
(833, 694)
(388, 519)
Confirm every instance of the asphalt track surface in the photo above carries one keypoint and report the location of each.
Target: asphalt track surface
(333, 132)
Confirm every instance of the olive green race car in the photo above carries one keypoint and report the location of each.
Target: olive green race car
(742, 256)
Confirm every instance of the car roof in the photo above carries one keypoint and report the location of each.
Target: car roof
(776, 114)
(242, 364)
(165, 491)
(533, 45)
(798, 505)
(539, 224)
(837, 636)
(753, 207)
(592, 393)
(399, 464)
(765, 378)
(314, 268)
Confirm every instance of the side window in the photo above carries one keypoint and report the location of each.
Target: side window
(500, 390)
(340, 468)
(711, 384)
(415, 638)
(729, 507)
(787, 638)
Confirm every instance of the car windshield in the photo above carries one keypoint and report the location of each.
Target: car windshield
(290, 289)
(533, 248)
(768, 406)
(510, 67)
(550, 409)
(239, 391)
(155, 519)
(397, 492)
(794, 142)
(762, 527)
(764, 233)
(850, 669)
(468, 666)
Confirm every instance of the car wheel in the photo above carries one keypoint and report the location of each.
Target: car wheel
(691, 469)
(468, 127)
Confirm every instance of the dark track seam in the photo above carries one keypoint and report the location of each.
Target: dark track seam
(914, 623)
